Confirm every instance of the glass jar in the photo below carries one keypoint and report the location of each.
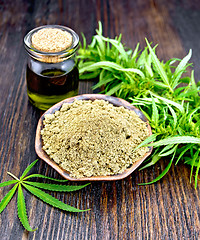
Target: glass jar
(51, 76)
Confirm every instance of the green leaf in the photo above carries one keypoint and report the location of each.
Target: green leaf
(183, 151)
(89, 75)
(178, 90)
(3, 184)
(103, 82)
(84, 41)
(43, 176)
(100, 30)
(21, 209)
(197, 172)
(140, 100)
(169, 152)
(154, 160)
(165, 100)
(180, 68)
(148, 66)
(135, 53)
(197, 127)
(163, 173)
(4, 202)
(194, 86)
(158, 84)
(102, 75)
(196, 155)
(159, 66)
(56, 187)
(120, 48)
(155, 115)
(110, 65)
(173, 115)
(165, 116)
(176, 140)
(114, 89)
(101, 44)
(166, 148)
(51, 200)
(147, 141)
(92, 44)
(145, 114)
(28, 169)
(192, 113)
(142, 59)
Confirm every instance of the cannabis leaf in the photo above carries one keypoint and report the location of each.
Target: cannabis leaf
(33, 187)
(169, 100)
(21, 209)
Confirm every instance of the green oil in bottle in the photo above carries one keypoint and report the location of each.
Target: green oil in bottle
(47, 84)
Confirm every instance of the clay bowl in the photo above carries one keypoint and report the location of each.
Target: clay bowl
(113, 100)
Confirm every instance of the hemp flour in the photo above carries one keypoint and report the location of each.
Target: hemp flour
(93, 138)
(51, 40)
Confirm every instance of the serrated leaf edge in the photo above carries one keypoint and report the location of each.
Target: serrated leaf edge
(45, 197)
(4, 184)
(21, 210)
(47, 186)
(45, 177)
(28, 169)
(8, 196)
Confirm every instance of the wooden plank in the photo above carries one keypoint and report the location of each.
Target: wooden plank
(169, 209)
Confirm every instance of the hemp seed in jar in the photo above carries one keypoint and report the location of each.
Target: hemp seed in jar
(52, 73)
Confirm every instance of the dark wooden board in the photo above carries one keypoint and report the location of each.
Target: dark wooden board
(169, 209)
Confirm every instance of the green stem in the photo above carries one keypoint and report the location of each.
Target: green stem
(13, 176)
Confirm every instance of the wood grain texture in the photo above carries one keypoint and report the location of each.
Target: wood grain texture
(169, 209)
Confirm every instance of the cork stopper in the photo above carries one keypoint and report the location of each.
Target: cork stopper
(51, 40)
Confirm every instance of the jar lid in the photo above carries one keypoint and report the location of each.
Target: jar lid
(51, 43)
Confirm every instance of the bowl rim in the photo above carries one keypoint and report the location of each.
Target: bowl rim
(113, 100)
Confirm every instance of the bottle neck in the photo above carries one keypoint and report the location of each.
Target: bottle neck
(48, 58)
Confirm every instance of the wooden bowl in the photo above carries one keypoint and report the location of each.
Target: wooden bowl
(113, 100)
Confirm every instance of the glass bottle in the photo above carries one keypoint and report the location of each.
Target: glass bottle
(51, 76)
